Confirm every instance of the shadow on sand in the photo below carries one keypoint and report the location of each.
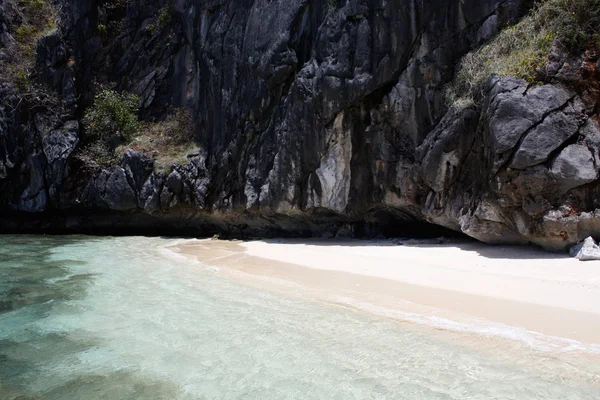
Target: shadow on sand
(471, 245)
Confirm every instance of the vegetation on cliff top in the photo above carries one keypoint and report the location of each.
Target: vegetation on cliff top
(522, 50)
(33, 19)
(164, 18)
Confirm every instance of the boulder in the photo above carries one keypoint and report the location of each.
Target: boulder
(547, 137)
(574, 167)
(587, 250)
(138, 168)
(514, 110)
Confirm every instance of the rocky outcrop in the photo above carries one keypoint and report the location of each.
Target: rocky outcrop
(530, 148)
(315, 118)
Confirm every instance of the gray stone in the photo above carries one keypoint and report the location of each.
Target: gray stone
(58, 146)
(588, 250)
(574, 167)
(34, 198)
(514, 111)
(174, 182)
(150, 195)
(138, 168)
(547, 137)
(116, 191)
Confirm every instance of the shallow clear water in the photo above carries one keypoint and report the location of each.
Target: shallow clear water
(121, 318)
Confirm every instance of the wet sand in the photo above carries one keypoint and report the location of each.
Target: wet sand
(455, 282)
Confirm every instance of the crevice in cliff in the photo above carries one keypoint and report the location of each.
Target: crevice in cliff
(302, 43)
(491, 89)
(470, 26)
(462, 163)
(523, 136)
(405, 62)
(577, 138)
(386, 87)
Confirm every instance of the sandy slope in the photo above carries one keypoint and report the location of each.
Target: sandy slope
(516, 286)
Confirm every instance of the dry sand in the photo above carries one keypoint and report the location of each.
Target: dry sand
(459, 281)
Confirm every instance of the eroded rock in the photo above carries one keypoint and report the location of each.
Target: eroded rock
(309, 120)
(574, 167)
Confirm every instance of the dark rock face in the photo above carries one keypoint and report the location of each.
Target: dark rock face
(315, 119)
(533, 147)
(53, 69)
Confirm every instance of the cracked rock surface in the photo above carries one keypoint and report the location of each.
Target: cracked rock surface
(314, 120)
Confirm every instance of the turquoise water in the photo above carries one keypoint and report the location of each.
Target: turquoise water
(122, 318)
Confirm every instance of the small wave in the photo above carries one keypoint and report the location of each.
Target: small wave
(470, 325)
(167, 252)
(479, 326)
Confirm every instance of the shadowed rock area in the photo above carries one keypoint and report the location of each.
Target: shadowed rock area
(311, 118)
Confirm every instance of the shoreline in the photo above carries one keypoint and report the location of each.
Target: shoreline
(507, 291)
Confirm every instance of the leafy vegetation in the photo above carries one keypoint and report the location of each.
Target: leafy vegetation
(111, 120)
(111, 15)
(522, 50)
(112, 117)
(102, 30)
(112, 126)
(165, 15)
(37, 17)
(113, 4)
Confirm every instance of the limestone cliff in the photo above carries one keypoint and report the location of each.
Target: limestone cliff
(311, 117)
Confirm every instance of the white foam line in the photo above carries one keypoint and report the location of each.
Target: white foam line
(535, 340)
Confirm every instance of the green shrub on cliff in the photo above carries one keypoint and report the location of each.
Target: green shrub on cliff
(38, 18)
(35, 18)
(522, 49)
(165, 14)
(113, 117)
(37, 12)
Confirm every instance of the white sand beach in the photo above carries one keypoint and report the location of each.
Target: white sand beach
(458, 280)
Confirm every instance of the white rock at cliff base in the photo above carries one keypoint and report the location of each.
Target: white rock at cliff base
(587, 250)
